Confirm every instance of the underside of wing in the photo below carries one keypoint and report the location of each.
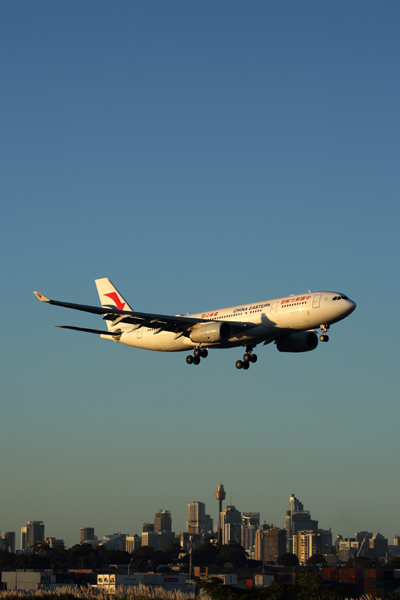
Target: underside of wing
(112, 334)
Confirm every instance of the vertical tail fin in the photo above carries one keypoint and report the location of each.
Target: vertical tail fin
(110, 297)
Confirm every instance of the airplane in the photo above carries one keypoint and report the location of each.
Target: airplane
(289, 321)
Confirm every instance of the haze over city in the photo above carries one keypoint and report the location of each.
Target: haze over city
(200, 155)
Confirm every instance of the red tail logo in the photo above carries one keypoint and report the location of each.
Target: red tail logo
(114, 297)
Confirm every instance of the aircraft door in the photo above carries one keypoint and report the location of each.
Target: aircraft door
(274, 306)
(316, 300)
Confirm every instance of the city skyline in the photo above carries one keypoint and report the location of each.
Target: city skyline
(199, 155)
(164, 521)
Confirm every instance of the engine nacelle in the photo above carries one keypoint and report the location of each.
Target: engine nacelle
(303, 341)
(211, 332)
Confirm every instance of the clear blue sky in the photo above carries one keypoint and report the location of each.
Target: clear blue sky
(200, 155)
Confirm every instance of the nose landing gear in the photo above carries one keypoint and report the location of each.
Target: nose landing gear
(197, 354)
(248, 358)
(323, 337)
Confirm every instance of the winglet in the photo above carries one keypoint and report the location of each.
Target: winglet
(41, 297)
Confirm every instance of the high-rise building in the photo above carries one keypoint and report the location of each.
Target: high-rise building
(274, 543)
(378, 546)
(190, 540)
(23, 538)
(196, 516)
(34, 533)
(231, 522)
(86, 533)
(162, 521)
(148, 527)
(150, 538)
(259, 541)
(297, 519)
(306, 544)
(132, 542)
(348, 548)
(54, 542)
(8, 539)
(250, 524)
(166, 539)
(198, 520)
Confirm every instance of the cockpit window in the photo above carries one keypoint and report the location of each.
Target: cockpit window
(344, 297)
(336, 298)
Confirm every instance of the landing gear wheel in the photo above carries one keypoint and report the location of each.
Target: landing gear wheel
(189, 359)
(253, 358)
(246, 365)
(246, 357)
(324, 338)
(239, 364)
(197, 352)
(196, 360)
(204, 353)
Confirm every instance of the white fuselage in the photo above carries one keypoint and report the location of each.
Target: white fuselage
(271, 319)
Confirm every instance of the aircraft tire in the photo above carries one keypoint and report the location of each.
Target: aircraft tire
(204, 353)
(197, 352)
(196, 360)
(246, 365)
(189, 359)
(239, 364)
(253, 358)
(246, 357)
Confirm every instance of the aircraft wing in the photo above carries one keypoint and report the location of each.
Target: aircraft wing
(178, 324)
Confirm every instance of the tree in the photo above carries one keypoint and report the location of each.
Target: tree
(363, 562)
(215, 589)
(316, 559)
(288, 559)
(206, 554)
(232, 553)
(172, 552)
(393, 563)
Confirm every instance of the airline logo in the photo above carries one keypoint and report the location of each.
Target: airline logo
(114, 297)
(298, 299)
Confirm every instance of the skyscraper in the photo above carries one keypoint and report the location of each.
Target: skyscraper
(259, 541)
(297, 519)
(23, 538)
(231, 522)
(86, 533)
(162, 521)
(274, 543)
(250, 523)
(34, 533)
(196, 516)
(198, 520)
(9, 541)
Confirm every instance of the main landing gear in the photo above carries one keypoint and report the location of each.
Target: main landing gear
(248, 358)
(197, 354)
(323, 337)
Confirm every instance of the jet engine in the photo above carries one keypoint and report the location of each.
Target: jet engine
(303, 341)
(211, 332)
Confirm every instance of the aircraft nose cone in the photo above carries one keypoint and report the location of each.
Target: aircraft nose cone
(351, 307)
